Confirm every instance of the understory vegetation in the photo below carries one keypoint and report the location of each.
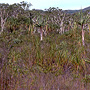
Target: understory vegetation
(45, 51)
(30, 64)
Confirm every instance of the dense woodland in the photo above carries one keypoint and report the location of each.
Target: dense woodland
(44, 49)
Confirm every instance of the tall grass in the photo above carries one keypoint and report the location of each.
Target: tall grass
(31, 63)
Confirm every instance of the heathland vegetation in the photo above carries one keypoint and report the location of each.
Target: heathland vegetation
(44, 49)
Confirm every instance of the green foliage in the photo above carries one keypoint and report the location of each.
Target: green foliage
(28, 63)
(57, 54)
(40, 21)
(81, 18)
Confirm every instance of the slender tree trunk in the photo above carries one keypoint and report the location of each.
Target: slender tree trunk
(29, 29)
(41, 34)
(2, 24)
(46, 30)
(61, 27)
(83, 42)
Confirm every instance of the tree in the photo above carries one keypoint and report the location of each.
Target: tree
(7, 11)
(82, 19)
(28, 14)
(58, 17)
(40, 24)
(25, 5)
(4, 15)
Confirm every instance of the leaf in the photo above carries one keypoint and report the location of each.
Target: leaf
(88, 61)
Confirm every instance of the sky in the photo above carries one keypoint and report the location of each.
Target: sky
(45, 4)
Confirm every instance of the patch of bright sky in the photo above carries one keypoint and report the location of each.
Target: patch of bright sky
(45, 4)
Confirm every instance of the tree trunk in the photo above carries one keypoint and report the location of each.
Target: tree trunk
(61, 27)
(83, 42)
(41, 34)
(2, 24)
(29, 29)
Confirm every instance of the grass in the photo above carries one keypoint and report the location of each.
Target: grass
(56, 63)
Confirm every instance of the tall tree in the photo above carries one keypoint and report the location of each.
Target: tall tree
(4, 13)
(25, 5)
(81, 20)
(7, 11)
(40, 24)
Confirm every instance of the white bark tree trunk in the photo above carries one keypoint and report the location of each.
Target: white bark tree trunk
(2, 24)
(3, 19)
(83, 42)
(41, 34)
